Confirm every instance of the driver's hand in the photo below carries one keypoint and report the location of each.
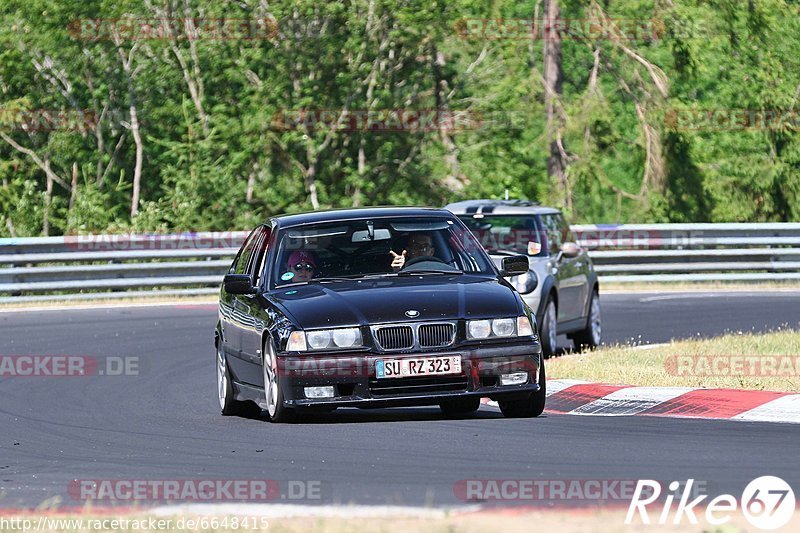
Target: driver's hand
(398, 259)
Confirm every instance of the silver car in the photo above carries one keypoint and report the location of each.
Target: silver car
(561, 285)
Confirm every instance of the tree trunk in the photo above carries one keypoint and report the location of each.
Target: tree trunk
(455, 179)
(137, 139)
(48, 202)
(74, 193)
(251, 185)
(362, 170)
(553, 76)
(130, 74)
(311, 180)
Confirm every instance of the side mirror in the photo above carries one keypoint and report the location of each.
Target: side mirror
(514, 265)
(238, 284)
(570, 249)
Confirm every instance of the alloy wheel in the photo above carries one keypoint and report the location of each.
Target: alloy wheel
(270, 380)
(222, 378)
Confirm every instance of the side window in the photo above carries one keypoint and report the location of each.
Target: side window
(552, 230)
(260, 256)
(239, 264)
(566, 232)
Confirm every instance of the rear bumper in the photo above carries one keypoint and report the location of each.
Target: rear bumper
(355, 385)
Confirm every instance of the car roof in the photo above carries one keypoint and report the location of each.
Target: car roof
(334, 215)
(500, 207)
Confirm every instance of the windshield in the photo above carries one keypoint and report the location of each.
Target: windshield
(513, 234)
(380, 247)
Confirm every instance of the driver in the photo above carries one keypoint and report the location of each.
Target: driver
(419, 245)
(301, 266)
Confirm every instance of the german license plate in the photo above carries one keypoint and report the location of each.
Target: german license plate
(422, 366)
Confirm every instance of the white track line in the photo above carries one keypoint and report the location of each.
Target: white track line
(557, 385)
(783, 409)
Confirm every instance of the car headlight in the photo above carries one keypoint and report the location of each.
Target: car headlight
(324, 339)
(479, 329)
(318, 340)
(346, 338)
(503, 327)
(499, 328)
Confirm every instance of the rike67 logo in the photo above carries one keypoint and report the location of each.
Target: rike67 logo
(767, 502)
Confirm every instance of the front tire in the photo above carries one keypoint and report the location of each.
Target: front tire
(591, 336)
(549, 328)
(532, 405)
(273, 394)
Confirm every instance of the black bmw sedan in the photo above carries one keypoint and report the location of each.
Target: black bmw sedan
(374, 307)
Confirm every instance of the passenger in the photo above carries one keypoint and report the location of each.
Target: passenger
(302, 265)
(419, 245)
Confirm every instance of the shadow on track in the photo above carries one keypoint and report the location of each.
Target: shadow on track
(352, 415)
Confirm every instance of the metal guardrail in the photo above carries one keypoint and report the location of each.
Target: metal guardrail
(641, 253)
(118, 266)
(60, 268)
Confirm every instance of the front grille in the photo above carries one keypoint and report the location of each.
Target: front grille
(436, 335)
(395, 337)
(415, 335)
(419, 385)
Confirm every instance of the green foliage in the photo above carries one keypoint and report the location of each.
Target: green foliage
(216, 154)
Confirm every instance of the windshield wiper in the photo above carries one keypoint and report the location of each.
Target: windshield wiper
(350, 277)
(428, 271)
(333, 278)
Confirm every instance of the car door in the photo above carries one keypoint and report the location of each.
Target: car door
(561, 267)
(237, 309)
(573, 279)
(253, 326)
(580, 272)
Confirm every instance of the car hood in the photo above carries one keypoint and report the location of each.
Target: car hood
(375, 301)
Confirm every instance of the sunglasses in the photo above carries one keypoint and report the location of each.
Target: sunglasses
(301, 266)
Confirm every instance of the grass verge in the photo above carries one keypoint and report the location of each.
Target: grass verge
(766, 361)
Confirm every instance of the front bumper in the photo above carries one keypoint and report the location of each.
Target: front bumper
(355, 384)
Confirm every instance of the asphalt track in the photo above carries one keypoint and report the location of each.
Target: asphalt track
(164, 422)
